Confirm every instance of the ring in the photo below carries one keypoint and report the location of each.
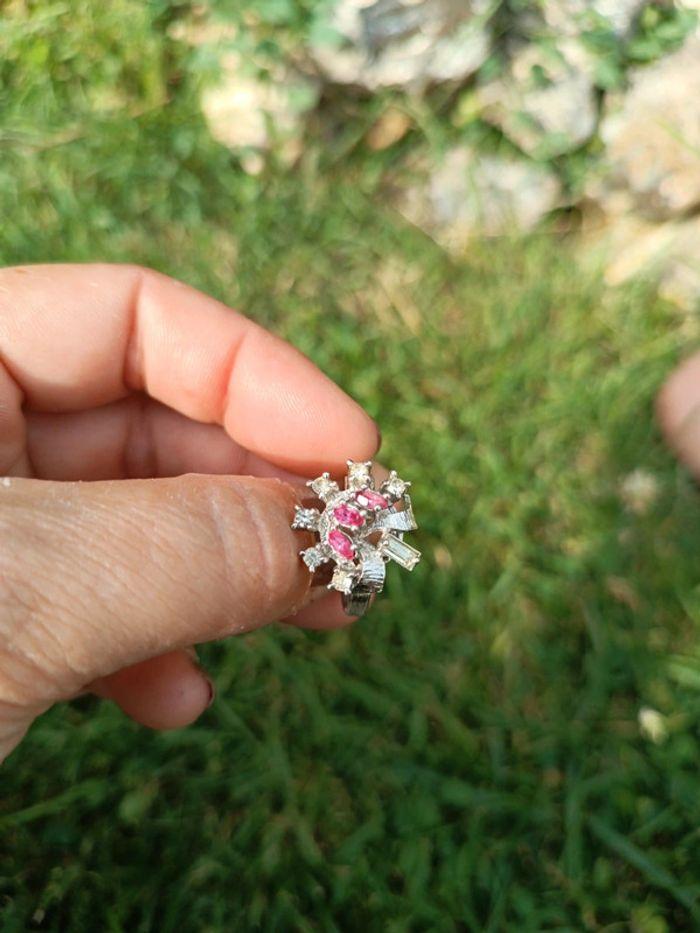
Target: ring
(359, 529)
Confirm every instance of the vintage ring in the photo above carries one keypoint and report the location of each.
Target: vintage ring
(359, 529)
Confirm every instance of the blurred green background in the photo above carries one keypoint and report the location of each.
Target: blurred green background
(510, 741)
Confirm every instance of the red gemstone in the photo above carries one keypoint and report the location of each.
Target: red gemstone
(341, 544)
(349, 516)
(371, 499)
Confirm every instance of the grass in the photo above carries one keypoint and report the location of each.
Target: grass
(470, 757)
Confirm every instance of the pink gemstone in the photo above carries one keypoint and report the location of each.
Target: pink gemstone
(349, 516)
(341, 544)
(371, 499)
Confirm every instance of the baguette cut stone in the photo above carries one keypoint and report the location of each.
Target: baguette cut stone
(404, 555)
(397, 521)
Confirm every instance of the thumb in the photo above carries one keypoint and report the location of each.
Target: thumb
(98, 576)
(678, 408)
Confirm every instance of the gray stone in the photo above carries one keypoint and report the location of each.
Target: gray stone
(572, 17)
(473, 193)
(546, 102)
(402, 43)
(247, 113)
(652, 137)
(244, 112)
(667, 254)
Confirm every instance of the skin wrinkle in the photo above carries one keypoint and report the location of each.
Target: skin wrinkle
(59, 641)
(229, 374)
(132, 368)
(218, 502)
(159, 559)
(61, 609)
(63, 613)
(22, 611)
(12, 422)
(146, 312)
(140, 451)
(67, 622)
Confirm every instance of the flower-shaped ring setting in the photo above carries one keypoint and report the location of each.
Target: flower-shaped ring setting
(359, 528)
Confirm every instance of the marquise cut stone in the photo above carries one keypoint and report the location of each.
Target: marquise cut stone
(341, 544)
(349, 516)
(371, 499)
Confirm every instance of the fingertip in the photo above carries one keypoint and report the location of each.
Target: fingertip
(678, 411)
(679, 395)
(282, 407)
(167, 692)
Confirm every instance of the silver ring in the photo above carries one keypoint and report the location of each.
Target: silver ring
(359, 529)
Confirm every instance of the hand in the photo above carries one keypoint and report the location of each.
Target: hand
(678, 408)
(136, 382)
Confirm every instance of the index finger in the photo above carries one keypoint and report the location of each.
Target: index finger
(77, 336)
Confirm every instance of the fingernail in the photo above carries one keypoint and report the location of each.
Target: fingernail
(212, 693)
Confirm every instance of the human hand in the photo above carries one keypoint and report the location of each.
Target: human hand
(148, 389)
(678, 407)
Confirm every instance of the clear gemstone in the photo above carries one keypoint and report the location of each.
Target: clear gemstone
(371, 499)
(394, 485)
(342, 580)
(404, 555)
(397, 521)
(349, 516)
(324, 486)
(341, 544)
(359, 474)
(313, 557)
(305, 518)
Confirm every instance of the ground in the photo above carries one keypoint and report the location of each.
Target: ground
(510, 740)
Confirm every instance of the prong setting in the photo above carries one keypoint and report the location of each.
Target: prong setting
(359, 530)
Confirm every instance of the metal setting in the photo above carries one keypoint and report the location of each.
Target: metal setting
(359, 528)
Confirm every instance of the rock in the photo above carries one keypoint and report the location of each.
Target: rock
(546, 102)
(405, 44)
(472, 193)
(244, 111)
(667, 254)
(639, 490)
(391, 126)
(652, 137)
(247, 113)
(572, 17)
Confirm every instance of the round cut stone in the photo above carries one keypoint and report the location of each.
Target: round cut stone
(341, 544)
(349, 516)
(371, 499)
